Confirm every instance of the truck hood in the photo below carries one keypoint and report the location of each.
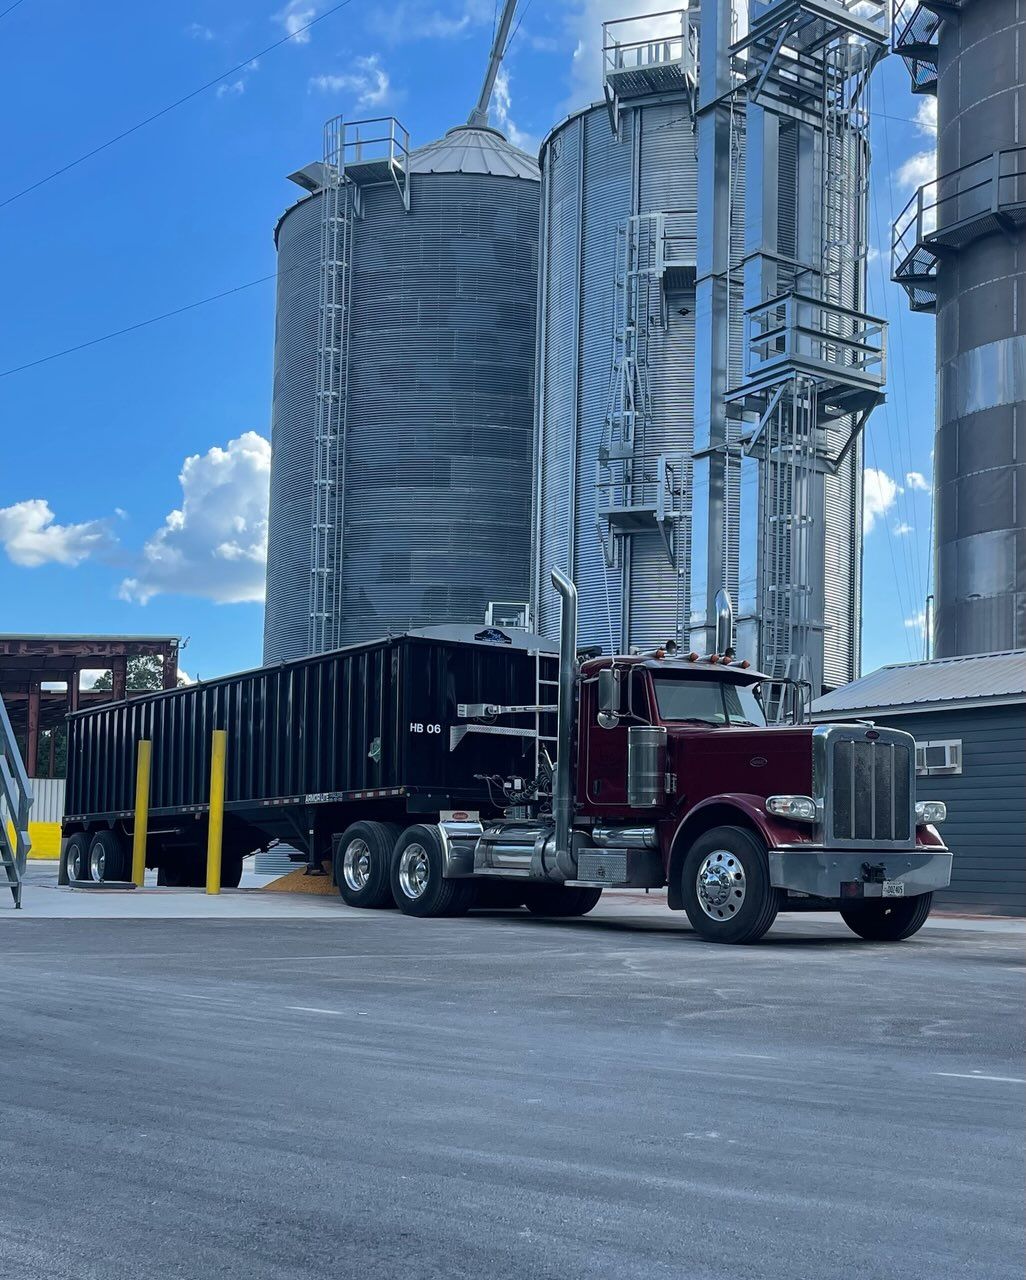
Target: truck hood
(757, 761)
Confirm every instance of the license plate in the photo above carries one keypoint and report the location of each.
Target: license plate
(893, 889)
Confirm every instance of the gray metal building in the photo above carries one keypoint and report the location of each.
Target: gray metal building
(968, 717)
(705, 366)
(960, 252)
(403, 387)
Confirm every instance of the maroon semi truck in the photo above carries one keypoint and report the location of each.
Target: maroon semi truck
(666, 774)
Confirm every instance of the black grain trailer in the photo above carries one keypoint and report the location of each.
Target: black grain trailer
(361, 735)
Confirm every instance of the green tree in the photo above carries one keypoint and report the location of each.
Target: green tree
(144, 674)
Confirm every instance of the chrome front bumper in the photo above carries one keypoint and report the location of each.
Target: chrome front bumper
(860, 873)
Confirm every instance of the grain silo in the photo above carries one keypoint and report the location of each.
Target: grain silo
(705, 364)
(403, 385)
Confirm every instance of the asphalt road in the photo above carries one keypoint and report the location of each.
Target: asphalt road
(497, 1097)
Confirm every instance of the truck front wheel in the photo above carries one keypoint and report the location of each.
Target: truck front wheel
(361, 862)
(418, 886)
(559, 900)
(726, 886)
(888, 919)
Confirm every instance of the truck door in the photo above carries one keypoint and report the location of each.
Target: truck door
(606, 768)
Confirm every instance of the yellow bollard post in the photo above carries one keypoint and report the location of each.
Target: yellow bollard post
(142, 812)
(218, 747)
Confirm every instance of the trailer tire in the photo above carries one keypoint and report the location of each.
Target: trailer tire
(888, 919)
(108, 857)
(418, 886)
(725, 885)
(560, 900)
(362, 863)
(77, 856)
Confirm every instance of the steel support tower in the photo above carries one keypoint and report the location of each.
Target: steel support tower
(790, 364)
(959, 251)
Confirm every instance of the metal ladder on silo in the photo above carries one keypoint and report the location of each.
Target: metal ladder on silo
(15, 805)
(331, 396)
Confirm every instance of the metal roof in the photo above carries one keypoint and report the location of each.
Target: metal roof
(467, 150)
(939, 684)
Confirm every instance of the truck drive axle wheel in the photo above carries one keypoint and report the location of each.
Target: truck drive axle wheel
(888, 919)
(418, 886)
(361, 861)
(726, 887)
(559, 900)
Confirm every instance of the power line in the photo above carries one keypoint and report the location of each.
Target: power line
(142, 324)
(10, 9)
(119, 137)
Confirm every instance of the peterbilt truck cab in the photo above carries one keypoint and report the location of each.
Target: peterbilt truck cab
(667, 775)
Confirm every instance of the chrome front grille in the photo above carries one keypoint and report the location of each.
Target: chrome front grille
(866, 785)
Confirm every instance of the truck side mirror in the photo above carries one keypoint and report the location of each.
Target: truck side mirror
(608, 698)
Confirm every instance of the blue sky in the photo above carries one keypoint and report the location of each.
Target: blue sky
(104, 526)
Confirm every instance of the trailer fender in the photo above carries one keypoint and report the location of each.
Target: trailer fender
(735, 809)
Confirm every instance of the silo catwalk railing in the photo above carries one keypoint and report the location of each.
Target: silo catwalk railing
(654, 53)
(814, 363)
(356, 154)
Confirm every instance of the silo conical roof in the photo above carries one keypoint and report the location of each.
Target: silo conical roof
(469, 150)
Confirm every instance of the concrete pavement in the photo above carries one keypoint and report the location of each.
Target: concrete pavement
(504, 1098)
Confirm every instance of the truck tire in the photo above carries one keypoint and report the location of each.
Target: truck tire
(559, 900)
(108, 857)
(362, 863)
(77, 856)
(418, 886)
(726, 887)
(888, 919)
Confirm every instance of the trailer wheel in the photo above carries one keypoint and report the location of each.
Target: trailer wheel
(726, 887)
(362, 861)
(108, 857)
(888, 919)
(77, 860)
(418, 886)
(559, 900)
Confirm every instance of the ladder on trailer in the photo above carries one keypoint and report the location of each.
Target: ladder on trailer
(15, 804)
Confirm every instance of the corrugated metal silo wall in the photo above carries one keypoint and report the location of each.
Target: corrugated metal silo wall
(591, 182)
(437, 484)
(287, 608)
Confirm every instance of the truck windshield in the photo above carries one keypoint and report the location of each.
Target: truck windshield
(707, 701)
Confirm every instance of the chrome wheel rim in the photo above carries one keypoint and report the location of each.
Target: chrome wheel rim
(96, 863)
(75, 863)
(356, 865)
(721, 885)
(414, 870)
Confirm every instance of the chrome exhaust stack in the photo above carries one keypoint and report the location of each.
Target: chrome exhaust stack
(724, 621)
(562, 782)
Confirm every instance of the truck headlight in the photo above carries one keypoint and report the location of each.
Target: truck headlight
(930, 811)
(798, 808)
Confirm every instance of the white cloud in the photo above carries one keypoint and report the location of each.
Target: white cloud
(233, 90)
(918, 169)
(198, 31)
(368, 80)
(31, 536)
(215, 544)
(296, 15)
(917, 622)
(926, 116)
(423, 20)
(916, 480)
(501, 104)
(879, 494)
(902, 529)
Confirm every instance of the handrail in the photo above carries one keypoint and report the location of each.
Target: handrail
(15, 790)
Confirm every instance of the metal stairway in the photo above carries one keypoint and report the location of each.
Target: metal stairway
(639, 489)
(15, 805)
